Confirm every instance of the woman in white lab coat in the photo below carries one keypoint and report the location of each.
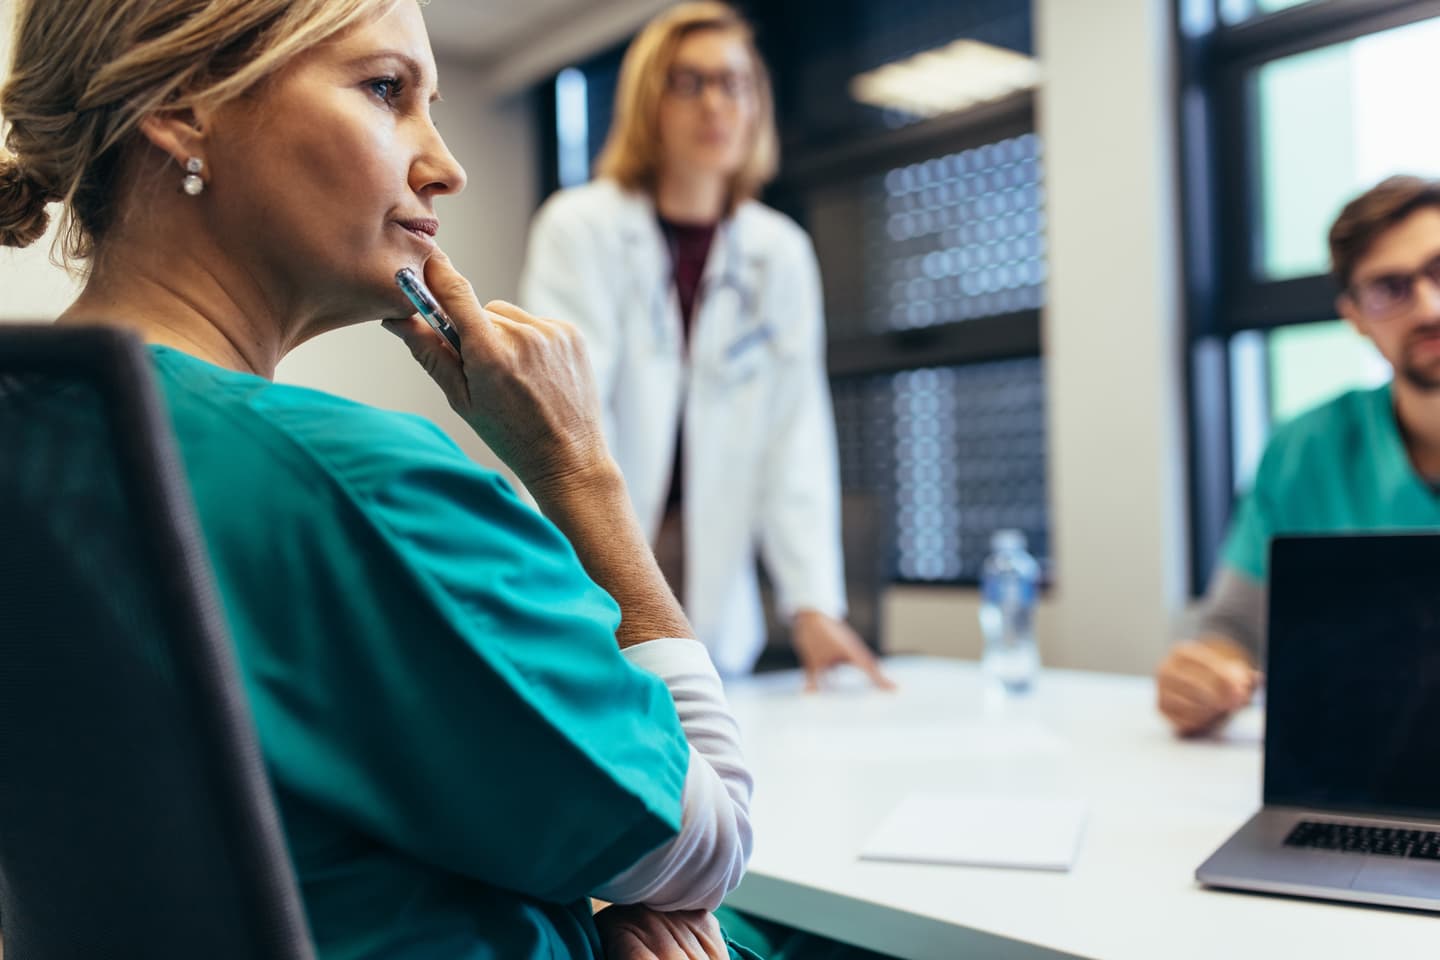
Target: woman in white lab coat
(702, 315)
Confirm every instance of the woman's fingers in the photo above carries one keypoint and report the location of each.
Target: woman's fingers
(706, 938)
(457, 296)
(523, 383)
(628, 945)
(450, 287)
(433, 354)
(639, 933)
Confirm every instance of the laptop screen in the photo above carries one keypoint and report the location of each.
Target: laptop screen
(1353, 673)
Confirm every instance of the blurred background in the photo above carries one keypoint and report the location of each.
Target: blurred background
(1073, 251)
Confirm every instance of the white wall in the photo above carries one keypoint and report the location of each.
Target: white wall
(31, 287)
(1113, 352)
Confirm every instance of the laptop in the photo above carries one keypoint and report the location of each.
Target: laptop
(1352, 727)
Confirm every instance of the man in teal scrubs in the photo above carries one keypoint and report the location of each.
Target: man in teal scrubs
(1368, 460)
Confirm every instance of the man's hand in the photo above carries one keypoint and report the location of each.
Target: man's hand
(1202, 682)
(822, 642)
(639, 933)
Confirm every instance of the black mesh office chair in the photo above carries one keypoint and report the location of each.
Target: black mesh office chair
(135, 816)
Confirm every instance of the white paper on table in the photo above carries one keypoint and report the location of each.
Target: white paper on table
(981, 830)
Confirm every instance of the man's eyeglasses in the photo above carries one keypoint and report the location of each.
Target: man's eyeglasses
(688, 84)
(1388, 294)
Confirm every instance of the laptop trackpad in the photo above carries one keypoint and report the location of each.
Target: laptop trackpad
(1394, 875)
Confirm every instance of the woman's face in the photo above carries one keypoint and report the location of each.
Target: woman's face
(326, 177)
(708, 112)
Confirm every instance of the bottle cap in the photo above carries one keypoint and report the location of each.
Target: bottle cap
(1007, 540)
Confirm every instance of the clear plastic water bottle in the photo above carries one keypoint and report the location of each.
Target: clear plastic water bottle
(1009, 587)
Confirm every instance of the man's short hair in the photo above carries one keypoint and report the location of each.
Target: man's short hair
(1372, 213)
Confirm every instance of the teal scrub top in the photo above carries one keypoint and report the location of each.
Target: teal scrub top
(1340, 467)
(459, 752)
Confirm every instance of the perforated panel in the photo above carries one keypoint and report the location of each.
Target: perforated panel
(955, 453)
(955, 237)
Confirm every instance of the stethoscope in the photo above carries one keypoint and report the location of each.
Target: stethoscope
(716, 286)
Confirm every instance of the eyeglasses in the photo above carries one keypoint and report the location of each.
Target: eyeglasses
(688, 84)
(1386, 295)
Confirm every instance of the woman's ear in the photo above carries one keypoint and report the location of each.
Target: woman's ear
(178, 133)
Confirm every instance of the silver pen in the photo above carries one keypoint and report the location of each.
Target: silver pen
(426, 305)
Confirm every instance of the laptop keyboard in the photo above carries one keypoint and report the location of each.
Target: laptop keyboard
(1357, 838)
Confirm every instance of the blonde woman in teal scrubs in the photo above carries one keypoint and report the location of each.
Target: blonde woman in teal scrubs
(475, 717)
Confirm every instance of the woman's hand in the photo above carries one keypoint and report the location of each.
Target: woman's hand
(639, 933)
(822, 642)
(523, 383)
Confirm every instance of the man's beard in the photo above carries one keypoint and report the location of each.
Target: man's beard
(1424, 377)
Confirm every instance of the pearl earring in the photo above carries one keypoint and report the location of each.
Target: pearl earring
(192, 184)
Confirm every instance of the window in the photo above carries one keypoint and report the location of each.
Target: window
(1238, 11)
(1313, 362)
(574, 116)
(1278, 374)
(1331, 122)
(1289, 109)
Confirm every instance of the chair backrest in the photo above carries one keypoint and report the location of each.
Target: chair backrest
(135, 816)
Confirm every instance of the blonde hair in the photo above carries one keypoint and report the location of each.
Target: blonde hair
(631, 155)
(86, 72)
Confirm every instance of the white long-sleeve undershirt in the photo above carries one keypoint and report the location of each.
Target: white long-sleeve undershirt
(705, 861)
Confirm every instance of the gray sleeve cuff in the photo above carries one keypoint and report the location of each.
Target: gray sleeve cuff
(1235, 607)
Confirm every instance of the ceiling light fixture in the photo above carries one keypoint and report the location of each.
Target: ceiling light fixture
(955, 77)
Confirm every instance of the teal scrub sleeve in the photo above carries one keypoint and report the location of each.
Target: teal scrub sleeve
(475, 710)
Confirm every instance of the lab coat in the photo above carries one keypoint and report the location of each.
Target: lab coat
(760, 466)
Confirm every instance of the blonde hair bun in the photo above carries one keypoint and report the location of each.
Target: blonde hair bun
(23, 217)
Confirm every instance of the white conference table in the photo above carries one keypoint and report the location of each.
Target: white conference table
(830, 766)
